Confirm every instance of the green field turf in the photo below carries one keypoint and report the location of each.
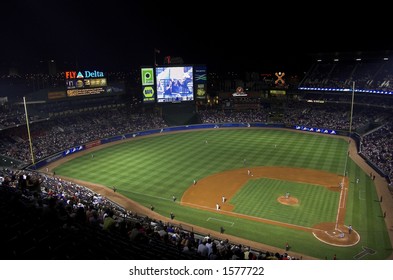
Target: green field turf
(151, 170)
(259, 198)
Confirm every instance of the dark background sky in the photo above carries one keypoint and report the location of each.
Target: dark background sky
(244, 35)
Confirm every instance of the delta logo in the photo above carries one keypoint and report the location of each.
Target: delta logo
(83, 74)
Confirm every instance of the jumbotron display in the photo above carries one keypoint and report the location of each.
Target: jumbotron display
(174, 84)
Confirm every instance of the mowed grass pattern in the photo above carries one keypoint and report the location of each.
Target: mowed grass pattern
(151, 170)
(259, 198)
(167, 164)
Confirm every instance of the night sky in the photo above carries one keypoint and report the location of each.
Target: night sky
(122, 35)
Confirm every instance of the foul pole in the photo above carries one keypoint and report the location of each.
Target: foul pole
(28, 131)
(341, 203)
(350, 129)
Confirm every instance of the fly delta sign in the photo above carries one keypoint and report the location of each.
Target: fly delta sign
(86, 75)
(85, 82)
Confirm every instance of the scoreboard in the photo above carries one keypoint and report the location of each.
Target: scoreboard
(173, 83)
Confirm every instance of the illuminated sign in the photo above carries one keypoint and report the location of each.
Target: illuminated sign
(85, 91)
(73, 150)
(174, 84)
(200, 81)
(201, 91)
(315, 101)
(147, 76)
(56, 94)
(148, 85)
(148, 94)
(277, 92)
(85, 82)
(83, 74)
(315, 129)
(280, 79)
(239, 92)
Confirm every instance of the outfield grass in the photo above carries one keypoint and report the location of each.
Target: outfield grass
(150, 170)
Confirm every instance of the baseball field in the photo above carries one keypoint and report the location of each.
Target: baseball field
(279, 186)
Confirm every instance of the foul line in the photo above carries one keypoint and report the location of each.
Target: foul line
(341, 204)
(343, 198)
(248, 217)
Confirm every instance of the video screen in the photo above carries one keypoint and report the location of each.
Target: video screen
(175, 84)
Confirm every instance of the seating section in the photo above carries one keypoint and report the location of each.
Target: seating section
(64, 221)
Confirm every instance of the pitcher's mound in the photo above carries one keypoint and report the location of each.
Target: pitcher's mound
(288, 201)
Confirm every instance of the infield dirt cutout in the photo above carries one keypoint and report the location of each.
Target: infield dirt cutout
(208, 192)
